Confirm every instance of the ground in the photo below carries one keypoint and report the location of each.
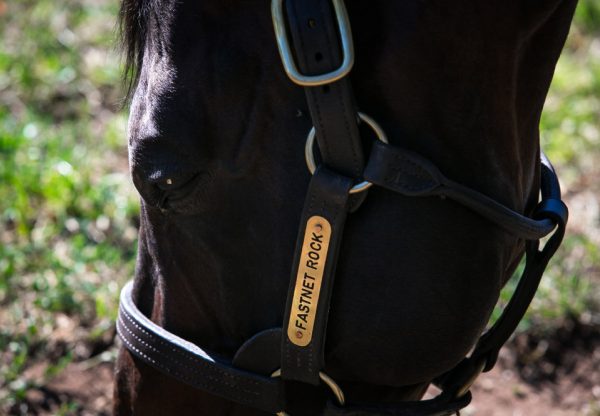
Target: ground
(569, 386)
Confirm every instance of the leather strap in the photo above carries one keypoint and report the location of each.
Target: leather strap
(334, 115)
(552, 209)
(332, 109)
(484, 355)
(327, 198)
(190, 364)
(410, 174)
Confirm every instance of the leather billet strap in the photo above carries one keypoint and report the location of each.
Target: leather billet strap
(312, 26)
(315, 259)
(190, 364)
(410, 174)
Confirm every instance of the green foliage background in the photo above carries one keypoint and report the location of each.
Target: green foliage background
(68, 212)
(67, 209)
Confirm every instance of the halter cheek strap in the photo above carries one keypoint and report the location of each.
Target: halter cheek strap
(314, 26)
(315, 260)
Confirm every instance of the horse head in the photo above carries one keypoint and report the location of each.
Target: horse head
(216, 138)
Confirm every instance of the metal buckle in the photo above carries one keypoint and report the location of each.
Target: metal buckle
(310, 157)
(337, 391)
(286, 53)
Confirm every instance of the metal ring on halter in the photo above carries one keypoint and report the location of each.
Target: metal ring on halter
(337, 391)
(310, 157)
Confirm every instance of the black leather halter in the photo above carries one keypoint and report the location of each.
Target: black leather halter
(320, 66)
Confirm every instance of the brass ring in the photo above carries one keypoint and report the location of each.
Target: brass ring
(337, 391)
(310, 157)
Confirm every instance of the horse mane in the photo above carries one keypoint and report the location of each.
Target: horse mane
(132, 35)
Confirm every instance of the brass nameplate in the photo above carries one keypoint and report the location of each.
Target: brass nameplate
(309, 280)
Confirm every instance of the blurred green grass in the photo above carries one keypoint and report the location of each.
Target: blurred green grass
(67, 210)
(68, 213)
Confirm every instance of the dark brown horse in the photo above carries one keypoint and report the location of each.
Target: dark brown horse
(216, 139)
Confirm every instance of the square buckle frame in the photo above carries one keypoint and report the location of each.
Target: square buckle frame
(287, 58)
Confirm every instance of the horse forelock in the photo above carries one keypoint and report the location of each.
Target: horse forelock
(133, 30)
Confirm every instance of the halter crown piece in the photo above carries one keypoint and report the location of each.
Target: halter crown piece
(256, 376)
